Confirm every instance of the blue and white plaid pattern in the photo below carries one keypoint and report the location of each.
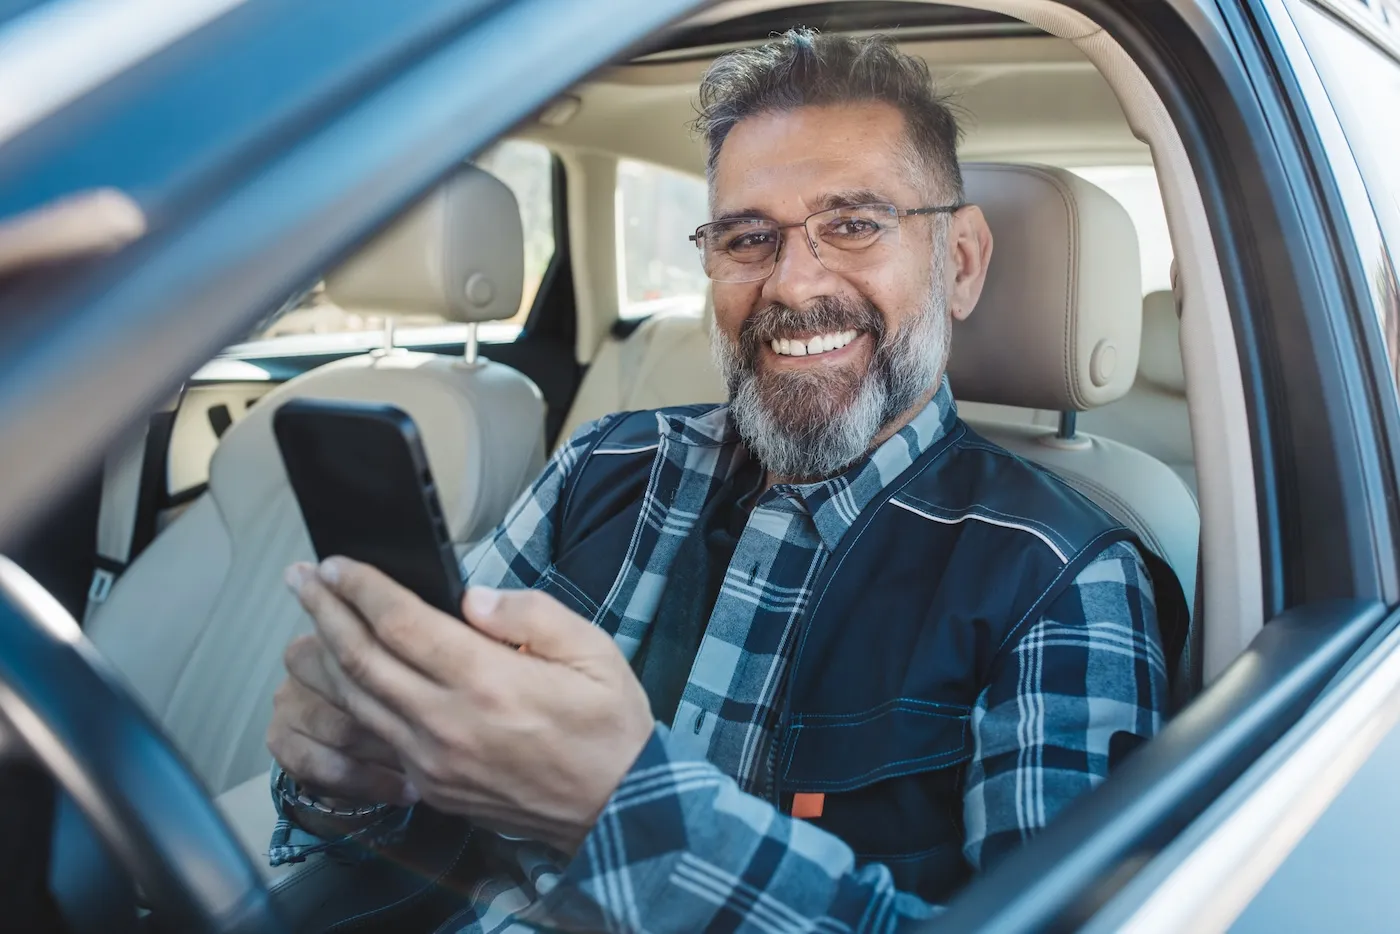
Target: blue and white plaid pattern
(687, 841)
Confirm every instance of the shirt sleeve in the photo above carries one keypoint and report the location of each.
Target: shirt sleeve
(513, 556)
(679, 847)
(1084, 686)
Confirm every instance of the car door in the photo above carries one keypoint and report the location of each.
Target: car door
(1327, 797)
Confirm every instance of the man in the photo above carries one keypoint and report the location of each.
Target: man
(768, 675)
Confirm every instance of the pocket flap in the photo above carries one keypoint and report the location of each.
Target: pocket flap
(842, 752)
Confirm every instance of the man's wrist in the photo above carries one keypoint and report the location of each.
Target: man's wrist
(323, 817)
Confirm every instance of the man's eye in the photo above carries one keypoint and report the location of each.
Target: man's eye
(852, 228)
(754, 240)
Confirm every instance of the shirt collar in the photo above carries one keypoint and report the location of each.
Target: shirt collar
(835, 503)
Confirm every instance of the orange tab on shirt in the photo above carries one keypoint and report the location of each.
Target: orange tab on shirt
(808, 805)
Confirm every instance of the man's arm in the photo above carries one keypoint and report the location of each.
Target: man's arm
(679, 847)
(1085, 686)
(514, 556)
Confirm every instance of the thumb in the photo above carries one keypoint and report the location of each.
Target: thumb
(535, 621)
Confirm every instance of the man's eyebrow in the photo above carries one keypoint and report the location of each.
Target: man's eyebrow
(849, 198)
(741, 214)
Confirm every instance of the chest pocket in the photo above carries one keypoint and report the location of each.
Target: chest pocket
(892, 784)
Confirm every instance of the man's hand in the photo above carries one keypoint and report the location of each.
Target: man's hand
(321, 745)
(530, 742)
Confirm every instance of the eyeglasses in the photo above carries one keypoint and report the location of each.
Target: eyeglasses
(745, 249)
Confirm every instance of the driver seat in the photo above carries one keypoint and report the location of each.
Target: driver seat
(199, 621)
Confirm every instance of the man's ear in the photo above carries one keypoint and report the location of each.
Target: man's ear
(969, 254)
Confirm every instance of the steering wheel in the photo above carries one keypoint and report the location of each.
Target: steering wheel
(62, 702)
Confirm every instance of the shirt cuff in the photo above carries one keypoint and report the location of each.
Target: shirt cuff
(291, 844)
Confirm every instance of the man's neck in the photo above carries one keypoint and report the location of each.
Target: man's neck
(891, 428)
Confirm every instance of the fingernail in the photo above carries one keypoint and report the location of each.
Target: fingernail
(409, 795)
(329, 571)
(482, 601)
(296, 575)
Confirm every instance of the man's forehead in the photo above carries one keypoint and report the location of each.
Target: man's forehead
(809, 155)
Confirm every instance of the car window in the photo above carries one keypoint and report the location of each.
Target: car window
(1362, 75)
(1135, 187)
(658, 268)
(527, 169)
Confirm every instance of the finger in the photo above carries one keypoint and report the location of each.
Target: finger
(537, 622)
(333, 772)
(305, 661)
(369, 682)
(307, 713)
(434, 643)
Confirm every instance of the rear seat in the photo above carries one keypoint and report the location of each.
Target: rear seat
(665, 361)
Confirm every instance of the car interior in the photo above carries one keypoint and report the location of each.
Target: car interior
(548, 282)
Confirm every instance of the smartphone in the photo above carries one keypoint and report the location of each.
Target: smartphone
(362, 481)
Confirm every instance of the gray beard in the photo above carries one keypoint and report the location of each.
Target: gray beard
(809, 426)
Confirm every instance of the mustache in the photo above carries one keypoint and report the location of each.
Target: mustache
(823, 315)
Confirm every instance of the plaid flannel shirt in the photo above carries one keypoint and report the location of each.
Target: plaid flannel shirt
(687, 841)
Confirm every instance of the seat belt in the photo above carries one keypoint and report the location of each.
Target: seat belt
(116, 517)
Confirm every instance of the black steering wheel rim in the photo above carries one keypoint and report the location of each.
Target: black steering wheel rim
(66, 705)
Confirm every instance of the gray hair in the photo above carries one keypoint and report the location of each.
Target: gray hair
(802, 67)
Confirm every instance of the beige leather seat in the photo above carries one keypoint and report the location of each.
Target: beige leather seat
(665, 361)
(198, 623)
(1152, 417)
(1057, 329)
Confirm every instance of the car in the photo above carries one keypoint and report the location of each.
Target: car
(478, 211)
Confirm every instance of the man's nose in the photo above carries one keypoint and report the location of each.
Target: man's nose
(798, 277)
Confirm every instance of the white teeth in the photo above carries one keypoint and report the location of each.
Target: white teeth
(818, 344)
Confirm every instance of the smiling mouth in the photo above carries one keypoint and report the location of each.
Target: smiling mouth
(812, 346)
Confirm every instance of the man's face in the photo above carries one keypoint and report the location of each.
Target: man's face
(812, 414)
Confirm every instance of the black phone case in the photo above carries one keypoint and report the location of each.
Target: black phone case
(365, 491)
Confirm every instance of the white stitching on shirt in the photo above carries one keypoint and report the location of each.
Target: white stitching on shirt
(957, 520)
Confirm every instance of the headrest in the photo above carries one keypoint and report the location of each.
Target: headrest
(1160, 360)
(1060, 318)
(458, 254)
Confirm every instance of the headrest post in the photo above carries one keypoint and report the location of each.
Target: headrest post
(388, 333)
(1067, 426)
(469, 350)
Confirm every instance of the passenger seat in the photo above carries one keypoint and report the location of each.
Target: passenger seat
(199, 621)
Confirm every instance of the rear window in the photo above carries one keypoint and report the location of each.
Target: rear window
(658, 268)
